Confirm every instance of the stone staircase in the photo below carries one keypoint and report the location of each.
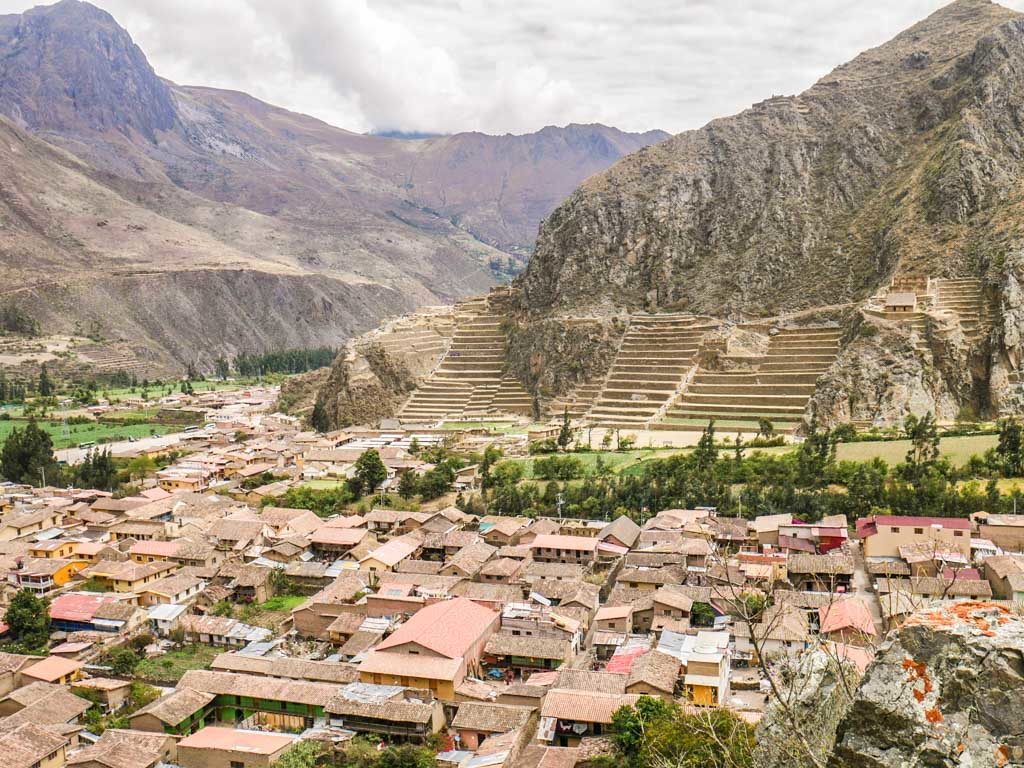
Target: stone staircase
(469, 381)
(775, 386)
(965, 296)
(655, 358)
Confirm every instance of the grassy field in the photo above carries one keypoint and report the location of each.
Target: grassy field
(86, 433)
(172, 665)
(498, 427)
(957, 449)
(283, 603)
(323, 485)
(624, 462)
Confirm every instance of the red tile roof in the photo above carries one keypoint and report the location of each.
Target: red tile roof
(852, 613)
(449, 628)
(78, 606)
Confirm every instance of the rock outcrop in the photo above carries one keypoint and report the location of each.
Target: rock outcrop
(945, 691)
(903, 159)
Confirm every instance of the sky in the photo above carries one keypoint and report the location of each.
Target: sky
(508, 66)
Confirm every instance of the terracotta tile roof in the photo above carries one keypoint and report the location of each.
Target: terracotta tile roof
(590, 680)
(123, 749)
(294, 669)
(851, 613)
(399, 710)
(410, 665)
(235, 740)
(52, 668)
(301, 692)
(503, 644)
(584, 706)
(490, 718)
(448, 628)
(27, 745)
(176, 707)
(656, 669)
(469, 560)
(832, 565)
(570, 543)
(394, 551)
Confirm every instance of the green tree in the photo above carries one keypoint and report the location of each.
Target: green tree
(370, 470)
(27, 455)
(923, 434)
(221, 367)
(1010, 448)
(45, 385)
(565, 433)
(408, 484)
(706, 452)
(303, 755)
(28, 617)
(123, 661)
(765, 428)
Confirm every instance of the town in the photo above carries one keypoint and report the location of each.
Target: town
(201, 620)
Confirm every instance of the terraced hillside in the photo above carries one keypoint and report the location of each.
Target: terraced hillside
(655, 358)
(775, 386)
(965, 297)
(470, 379)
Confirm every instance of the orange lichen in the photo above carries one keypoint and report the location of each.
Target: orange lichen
(1002, 755)
(963, 613)
(933, 715)
(916, 671)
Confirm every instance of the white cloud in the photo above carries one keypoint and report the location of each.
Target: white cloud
(497, 66)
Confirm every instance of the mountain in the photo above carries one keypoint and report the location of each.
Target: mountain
(905, 160)
(191, 222)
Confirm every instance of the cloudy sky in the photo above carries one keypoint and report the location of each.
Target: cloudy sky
(508, 65)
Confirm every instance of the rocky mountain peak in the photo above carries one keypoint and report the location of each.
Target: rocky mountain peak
(70, 67)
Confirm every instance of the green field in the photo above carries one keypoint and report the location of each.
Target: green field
(624, 462)
(86, 433)
(172, 665)
(498, 427)
(323, 485)
(957, 449)
(283, 603)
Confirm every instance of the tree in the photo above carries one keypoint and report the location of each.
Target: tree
(97, 470)
(370, 470)
(923, 434)
(565, 433)
(706, 452)
(27, 455)
(221, 367)
(765, 428)
(1010, 448)
(28, 617)
(45, 385)
(407, 485)
(123, 661)
(303, 755)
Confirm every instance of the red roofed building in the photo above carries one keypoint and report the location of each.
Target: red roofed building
(89, 611)
(435, 649)
(847, 621)
(554, 548)
(883, 536)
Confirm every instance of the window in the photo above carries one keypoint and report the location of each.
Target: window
(237, 764)
(919, 531)
(895, 529)
(958, 534)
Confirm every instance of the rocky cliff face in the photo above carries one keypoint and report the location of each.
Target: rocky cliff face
(904, 159)
(944, 691)
(109, 174)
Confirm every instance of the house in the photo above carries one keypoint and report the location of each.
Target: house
(764, 530)
(568, 716)
(163, 618)
(654, 674)
(522, 654)
(312, 618)
(1006, 575)
(553, 548)
(783, 630)
(847, 621)
(614, 618)
(292, 669)
(216, 747)
(331, 543)
(178, 589)
(389, 555)
(901, 302)
(469, 560)
(43, 704)
(503, 531)
(249, 583)
(22, 522)
(504, 570)
(125, 749)
(1005, 531)
(150, 551)
(476, 721)
(93, 612)
(179, 713)
(621, 531)
(220, 630)
(11, 665)
(820, 573)
(670, 606)
(882, 536)
(53, 669)
(389, 710)
(435, 649)
(29, 746)
(43, 575)
(264, 701)
(128, 575)
(111, 694)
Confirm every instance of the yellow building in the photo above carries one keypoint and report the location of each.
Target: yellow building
(129, 576)
(883, 536)
(28, 744)
(43, 575)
